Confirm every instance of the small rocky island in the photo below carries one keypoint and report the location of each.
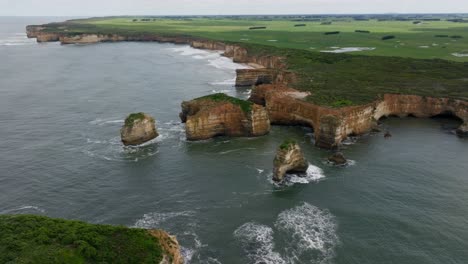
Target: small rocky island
(222, 115)
(138, 129)
(338, 159)
(289, 158)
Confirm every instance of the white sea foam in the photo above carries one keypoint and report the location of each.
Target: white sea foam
(311, 231)
(235, 150)
(23, 209)
(156, 219)
(213, 58)
(230, 82)
(100, 121)
(347, 49)
(258, 243)
(308, 233)
(424, 47)
(16, 39)
(313, 174)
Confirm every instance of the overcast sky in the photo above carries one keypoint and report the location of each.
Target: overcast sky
(221, 7)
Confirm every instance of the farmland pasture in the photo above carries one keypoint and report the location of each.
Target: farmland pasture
(409, 37)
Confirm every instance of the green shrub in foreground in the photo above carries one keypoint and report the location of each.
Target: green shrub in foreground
(38, 239)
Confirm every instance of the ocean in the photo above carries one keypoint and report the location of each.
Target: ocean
(401, 200)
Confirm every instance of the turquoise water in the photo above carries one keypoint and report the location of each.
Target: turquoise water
(403, 200)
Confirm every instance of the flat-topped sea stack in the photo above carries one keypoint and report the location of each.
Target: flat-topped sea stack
(138, 129)
(221, 115)
(289, 158)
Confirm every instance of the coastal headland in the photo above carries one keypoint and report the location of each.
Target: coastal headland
(337, 95)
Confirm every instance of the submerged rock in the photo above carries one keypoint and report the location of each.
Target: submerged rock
(222, 115)
(170, 245)
(289, 158)
(138, 129)
(338, 159)
(462, 131)
(387, 135)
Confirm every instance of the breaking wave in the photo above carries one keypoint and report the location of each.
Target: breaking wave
(23, 209)
(305, 234)
(311, 233)
(313, 174)
(214, 58)
(17, 39)
(258, 243)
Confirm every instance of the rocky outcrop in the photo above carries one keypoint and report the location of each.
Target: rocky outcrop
(171, 248)
(222, 115)
(289, 158)
(287, 106)
(338, 159)
(32, 31)
(138, 129)
(250, 77)
(47, 37)
(462, 131)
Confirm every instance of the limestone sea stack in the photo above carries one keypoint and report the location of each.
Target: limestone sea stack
(170, 245)
(138, 129)
(289, 158)
(221, 115)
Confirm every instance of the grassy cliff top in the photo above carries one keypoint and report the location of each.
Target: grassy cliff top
(420, 59)
(130, 120)
(246, 106)
(38, 239)
(287, 144)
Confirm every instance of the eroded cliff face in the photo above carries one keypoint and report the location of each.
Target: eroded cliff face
(170, 245)
(207, 118)
(286, 106)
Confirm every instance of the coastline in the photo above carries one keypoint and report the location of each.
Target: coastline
(273, 83)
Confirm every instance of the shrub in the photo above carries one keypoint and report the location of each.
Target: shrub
(441, 36)
(388, 37)
(252, 28)
(134, 117)
(39, 239)
(362, 31)
(342, 103)
(456, 37)
(300, 25)
(326, 23)
(287, 143)
(332, 33)
(246, 106)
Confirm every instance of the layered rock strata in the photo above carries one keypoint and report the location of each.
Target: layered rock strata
(221, 115)
(171, 248)
(138, 129)
(287, 106)
(289, 158)
(330, 125)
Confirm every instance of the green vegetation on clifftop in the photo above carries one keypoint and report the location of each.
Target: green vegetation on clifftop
(134, 117)
(246, 106)
(38, 239)
(416, 62)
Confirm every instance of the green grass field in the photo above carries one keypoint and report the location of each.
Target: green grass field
(416, 61)
(38, 239)
(415, 41)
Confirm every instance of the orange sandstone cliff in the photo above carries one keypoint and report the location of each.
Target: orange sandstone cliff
(284, 105)
(221, 115)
